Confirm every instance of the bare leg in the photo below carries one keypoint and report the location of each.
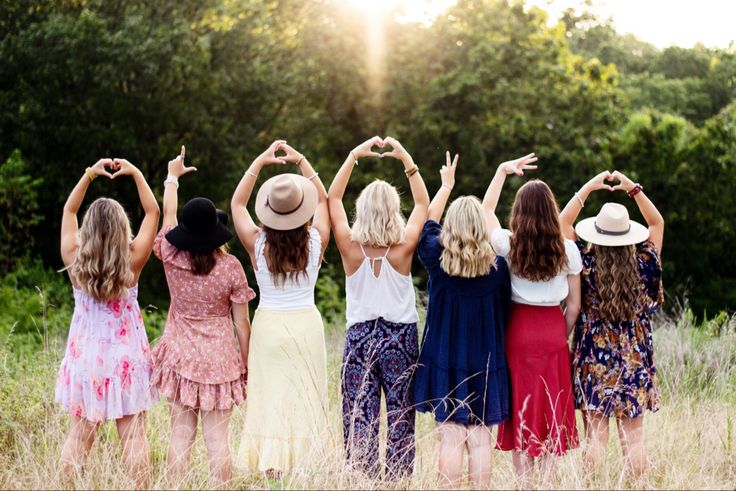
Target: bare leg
(216, 433)
(596, 440)
(137, 454)
(524, 467)
(78, 443)
(480, 449)
(631, 433)
(183, 432)
(452, 445)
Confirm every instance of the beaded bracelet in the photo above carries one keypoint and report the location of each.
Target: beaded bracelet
(638, 188)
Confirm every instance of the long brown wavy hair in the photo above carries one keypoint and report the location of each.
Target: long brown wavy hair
(287, 254)
(617, 278)
(537, 246)
(102, 265)
(203, 263)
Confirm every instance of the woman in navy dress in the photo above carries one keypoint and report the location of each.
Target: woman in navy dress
(462, 376)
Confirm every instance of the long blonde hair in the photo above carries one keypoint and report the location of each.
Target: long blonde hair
(102, 266)
(617, 278)
(467, 250)
(378, 218)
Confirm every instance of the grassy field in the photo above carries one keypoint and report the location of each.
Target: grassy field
(691, 440)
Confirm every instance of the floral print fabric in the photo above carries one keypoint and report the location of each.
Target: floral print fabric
(197, 360)
(613, 365)
(106, 370)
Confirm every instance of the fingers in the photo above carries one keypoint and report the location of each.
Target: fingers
(390, 154)
(447, 159)
(376, 140)
(454, 162)
(187, 170)
(183, 152)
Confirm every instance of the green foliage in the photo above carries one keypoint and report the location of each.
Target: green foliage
(489, 78)
(18, 211)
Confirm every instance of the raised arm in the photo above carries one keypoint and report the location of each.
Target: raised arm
(176, 169)
(493, 193)
(245, 227)
(142, 244)
(573, 208)
(322, 215)
(439, 202)
(419, 193)
(338, 216)
(69, 222)
(654, 219)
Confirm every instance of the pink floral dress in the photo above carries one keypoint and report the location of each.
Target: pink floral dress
(106, 370)
(197, 360)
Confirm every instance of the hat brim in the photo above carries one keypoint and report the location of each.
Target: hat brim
(184, 240)
(586, 231)
(295, 219)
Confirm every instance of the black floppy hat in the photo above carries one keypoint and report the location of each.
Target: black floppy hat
(201, 229)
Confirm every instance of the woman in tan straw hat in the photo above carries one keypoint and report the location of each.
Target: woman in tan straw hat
(613, 367)
(287, 381)
(381, 346)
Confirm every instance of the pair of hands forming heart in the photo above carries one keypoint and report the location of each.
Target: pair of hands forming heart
(365, 149)
(607, 180)
(121, 167)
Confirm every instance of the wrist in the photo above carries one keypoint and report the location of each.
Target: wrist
(408, 162)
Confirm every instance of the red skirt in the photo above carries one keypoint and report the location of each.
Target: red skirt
(542, 415)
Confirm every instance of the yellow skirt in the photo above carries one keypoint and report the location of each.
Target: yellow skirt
(286, 407)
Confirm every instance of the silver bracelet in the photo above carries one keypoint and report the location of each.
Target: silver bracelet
(354, 157)
(312, 177)
(446, 186)
(171, 180)
(248, 172)
(582, 205)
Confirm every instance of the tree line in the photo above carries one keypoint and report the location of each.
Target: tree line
(489, 79)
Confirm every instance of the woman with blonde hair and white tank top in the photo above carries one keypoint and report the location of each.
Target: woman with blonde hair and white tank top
(381, 348)
(287, 379)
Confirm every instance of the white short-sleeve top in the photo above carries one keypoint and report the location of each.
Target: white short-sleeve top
(542, 293)
(293, 295)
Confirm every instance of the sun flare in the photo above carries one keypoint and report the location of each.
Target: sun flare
(422, 11)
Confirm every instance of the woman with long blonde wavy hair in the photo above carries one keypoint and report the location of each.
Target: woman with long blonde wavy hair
(614, 374)
(381, 346)
(545, 271)
(106, 370)
(461, 377)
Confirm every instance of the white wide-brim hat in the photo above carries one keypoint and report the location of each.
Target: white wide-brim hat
(286, 202)
(612, 227)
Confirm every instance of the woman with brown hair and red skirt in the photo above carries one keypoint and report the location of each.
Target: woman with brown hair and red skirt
(545, 271)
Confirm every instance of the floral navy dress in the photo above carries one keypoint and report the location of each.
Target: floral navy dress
(613, 365)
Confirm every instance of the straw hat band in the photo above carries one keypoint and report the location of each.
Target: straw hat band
(285, 212)
(611, 232)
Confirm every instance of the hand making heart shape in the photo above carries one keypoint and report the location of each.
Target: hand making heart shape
(611, 181)
(394, 147)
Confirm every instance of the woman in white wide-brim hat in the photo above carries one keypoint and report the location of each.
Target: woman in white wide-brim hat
(287, 381)
(613, 367)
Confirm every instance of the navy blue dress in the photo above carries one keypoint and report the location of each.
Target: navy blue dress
(462, 375)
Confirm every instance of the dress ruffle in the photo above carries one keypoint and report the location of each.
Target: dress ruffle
(206, 397)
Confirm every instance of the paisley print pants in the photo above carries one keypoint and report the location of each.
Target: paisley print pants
(379, 355)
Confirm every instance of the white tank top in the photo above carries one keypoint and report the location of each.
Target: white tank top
(293, 295)
(389, 295)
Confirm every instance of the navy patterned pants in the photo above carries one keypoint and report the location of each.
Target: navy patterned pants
(379, 355)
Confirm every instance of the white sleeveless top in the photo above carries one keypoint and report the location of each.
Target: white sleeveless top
(293, 295)
(389, 295)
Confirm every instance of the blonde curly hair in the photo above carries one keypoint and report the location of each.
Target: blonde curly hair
(465, 239)
(102, 265)
(378, 219)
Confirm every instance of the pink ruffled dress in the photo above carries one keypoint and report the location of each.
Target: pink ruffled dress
(106, 370)
(197, 363)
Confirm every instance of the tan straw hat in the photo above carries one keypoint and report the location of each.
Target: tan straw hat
(286, 202)
(612, 227)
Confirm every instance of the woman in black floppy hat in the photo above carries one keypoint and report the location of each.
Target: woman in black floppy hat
(199, 368)
(614, 374)
(287, 385)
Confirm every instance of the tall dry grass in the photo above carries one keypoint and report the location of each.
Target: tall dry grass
(691, 440)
